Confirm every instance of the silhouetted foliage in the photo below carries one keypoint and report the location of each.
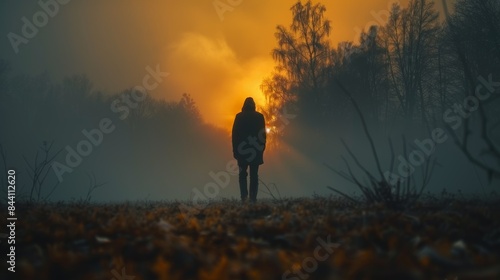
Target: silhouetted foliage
(412, 74)
(155, 138)
(474, 32)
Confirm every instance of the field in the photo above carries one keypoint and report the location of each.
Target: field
(306, 238)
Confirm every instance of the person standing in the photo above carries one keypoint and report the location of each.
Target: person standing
(249, 143)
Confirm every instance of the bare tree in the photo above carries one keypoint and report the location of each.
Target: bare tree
(396, 194)
(93, 185)
(39, 169)
(363, 69)
(478, 16)
(409, 37)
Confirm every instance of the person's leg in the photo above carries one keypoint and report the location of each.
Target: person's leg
(254, 182)
(243, 180)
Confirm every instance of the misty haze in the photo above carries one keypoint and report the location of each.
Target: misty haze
(237, 139)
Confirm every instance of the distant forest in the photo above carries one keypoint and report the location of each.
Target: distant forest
(152, 141)
(413, 68)
(417, 72)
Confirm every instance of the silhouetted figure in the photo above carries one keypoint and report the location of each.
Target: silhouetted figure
(249, 143)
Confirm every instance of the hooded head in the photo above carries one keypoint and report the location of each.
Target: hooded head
(249, 105)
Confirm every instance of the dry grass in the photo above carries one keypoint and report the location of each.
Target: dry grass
(440, 238)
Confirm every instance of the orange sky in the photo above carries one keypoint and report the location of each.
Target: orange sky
(219, 62)
(222, 62)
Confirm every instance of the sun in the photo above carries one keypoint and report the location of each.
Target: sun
(271, 129)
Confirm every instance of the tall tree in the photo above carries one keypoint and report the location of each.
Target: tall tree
(410, 37)
(474, 30)
(302, 57)
(363, 69)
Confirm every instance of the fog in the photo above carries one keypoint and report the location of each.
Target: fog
(125, 102)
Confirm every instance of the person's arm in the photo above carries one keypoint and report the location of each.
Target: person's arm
(264, 134)
(235, 132)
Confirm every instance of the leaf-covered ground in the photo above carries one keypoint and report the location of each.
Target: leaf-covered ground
(309, 238)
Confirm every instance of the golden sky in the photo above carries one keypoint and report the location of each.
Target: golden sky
(219, 61)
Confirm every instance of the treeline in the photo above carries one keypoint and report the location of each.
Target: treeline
(413, 68)
(418, 71)
(136, 146)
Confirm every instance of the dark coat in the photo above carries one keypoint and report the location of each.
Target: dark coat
(249, 135)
